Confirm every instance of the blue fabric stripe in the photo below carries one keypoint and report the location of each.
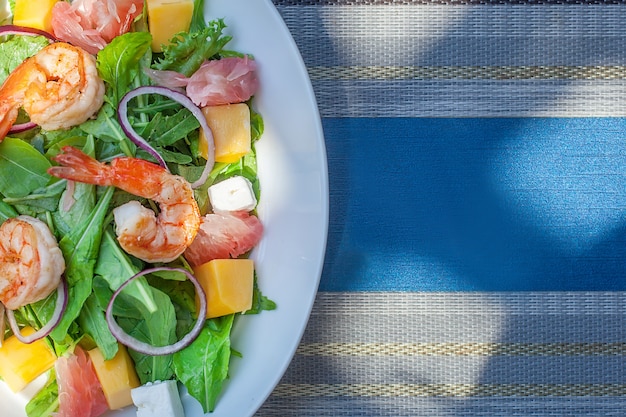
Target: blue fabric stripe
(466, 204)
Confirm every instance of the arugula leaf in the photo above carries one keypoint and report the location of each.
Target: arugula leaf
(39, 201)
(46, 401)
(259, 301)
(118, 63)
(203, 366)
(197, 18)
(142, 311)
(105, 126)
(165, 130)
(80, 249)
(92, 321)
(187, 51)
(157, 328)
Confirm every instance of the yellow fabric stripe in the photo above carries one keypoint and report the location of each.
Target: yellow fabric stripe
(593, 72)
(461, 349)
(449, 390)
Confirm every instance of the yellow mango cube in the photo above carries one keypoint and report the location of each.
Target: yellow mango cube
(34, 14)
(117, 376)
(166, 18)
(228, 285)
(21, 363)
(230, 125)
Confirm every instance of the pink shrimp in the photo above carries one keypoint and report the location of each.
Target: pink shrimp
(31, 263)
(142, 233)
(59, 87)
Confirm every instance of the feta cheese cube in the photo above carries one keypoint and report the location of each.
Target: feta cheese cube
(158, 399)
(232, 194)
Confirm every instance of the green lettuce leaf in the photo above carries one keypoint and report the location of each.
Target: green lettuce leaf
(187, 51)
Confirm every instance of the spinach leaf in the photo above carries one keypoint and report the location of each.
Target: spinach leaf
(17, 49)
(118, 63)
(23, 169)
(203, 366)
(6, 212)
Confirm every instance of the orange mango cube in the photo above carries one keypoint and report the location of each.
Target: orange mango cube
(228, 285)
(230, 125)
(117, 376)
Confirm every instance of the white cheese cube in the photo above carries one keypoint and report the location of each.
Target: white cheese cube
(158, 399)
(232, 194)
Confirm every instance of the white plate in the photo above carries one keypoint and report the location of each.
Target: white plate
(293, 208)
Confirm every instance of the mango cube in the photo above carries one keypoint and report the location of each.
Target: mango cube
(166, 18)
(21, 363)
(117, 376)
(228, 285)
(230, 125)
(34, 14)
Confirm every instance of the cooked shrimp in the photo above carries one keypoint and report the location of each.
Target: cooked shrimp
(59, 87)
(31, 263)
(153, 238)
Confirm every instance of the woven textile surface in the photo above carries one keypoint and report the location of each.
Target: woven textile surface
(477, 237)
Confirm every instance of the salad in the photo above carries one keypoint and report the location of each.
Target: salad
(129, 188)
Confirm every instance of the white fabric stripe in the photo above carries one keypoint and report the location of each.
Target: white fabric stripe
(470, 354)
(476, 370)
(389, 317)
(471, 98)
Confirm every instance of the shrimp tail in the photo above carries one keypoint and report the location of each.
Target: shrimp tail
(8, 116)
(136, 176)
(75, 165)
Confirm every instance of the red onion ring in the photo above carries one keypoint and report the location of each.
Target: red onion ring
(59, 309)
(22, 127)
(23, 30)
(122, 114)
(146, 348)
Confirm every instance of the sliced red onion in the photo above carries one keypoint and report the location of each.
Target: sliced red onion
(23, 30)
(22, 127)
(122, 114)
(146, 348)
(59, 309)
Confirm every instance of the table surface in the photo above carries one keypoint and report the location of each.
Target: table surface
(475, 260)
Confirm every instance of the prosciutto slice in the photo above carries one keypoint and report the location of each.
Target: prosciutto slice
(224, 235)
(220, 81)
(80, 392)
(92, 24)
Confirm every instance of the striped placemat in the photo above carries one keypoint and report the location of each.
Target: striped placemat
(475, 262)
